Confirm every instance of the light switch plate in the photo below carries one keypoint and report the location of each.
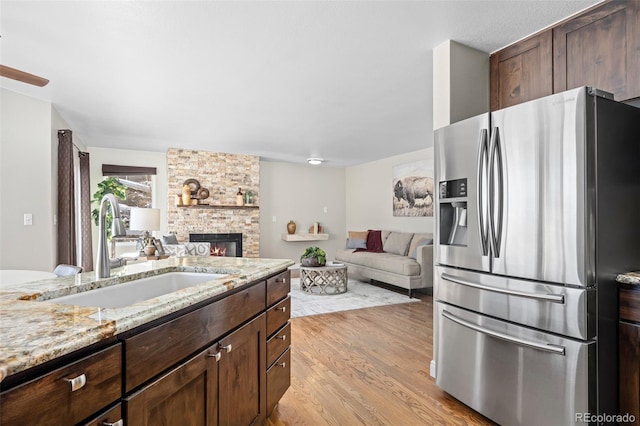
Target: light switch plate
(28, 219)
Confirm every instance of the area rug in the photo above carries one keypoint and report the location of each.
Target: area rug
(359, 295)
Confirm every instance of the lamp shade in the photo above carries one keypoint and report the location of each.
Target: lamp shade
(144, 219)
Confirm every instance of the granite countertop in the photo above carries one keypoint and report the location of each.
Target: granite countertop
(34, 330)
(629, 278)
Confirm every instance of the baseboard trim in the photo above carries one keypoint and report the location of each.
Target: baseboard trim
(432, 368)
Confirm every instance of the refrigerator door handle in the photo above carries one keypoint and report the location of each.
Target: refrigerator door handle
(495, 189)
(482, 190)
(553, 298)
(546, 347)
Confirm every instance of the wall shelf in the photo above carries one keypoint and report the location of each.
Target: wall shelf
(219, 206)
(305, 237)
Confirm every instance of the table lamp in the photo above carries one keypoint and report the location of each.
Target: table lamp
(146, 220)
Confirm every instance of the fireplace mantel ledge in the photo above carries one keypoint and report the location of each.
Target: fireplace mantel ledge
(220, 206)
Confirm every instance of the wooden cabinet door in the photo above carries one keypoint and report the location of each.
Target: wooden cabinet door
(187, 395)
(521, 72)
(242, 375)
(630, 370)
(600, 48)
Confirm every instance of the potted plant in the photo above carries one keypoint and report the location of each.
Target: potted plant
(313, 256)
(110, 185)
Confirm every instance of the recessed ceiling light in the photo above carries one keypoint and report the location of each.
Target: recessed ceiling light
(315, 161)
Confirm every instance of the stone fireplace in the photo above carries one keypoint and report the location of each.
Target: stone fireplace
(224, 245)
(222, 174)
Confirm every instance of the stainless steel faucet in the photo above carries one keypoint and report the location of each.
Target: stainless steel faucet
(103, 266)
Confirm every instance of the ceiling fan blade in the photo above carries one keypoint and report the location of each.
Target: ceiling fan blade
(22, 76)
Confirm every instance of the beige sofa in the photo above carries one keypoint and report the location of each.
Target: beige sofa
(407, 261)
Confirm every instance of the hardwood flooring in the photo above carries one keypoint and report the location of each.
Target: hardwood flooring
(367, 367)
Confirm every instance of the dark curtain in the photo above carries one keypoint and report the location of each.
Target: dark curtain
(85, 214)
(66, 201)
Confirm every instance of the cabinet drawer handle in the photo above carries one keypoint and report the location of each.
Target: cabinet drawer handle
(217, 356)
(284, 336)
(283, 365)
(283, 309)
(118, 423)
(77, 382)
(227, 348)
(283, 280)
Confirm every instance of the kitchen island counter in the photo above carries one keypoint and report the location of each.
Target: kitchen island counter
(629, 278)
(35, 329)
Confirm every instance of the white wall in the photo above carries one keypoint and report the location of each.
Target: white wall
(124, 157)
(370, 196)
(460, 83)
(28, 181)
(300, 193)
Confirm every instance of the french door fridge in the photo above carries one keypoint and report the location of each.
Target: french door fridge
(536, 212)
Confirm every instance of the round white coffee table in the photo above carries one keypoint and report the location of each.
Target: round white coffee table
(326, 280)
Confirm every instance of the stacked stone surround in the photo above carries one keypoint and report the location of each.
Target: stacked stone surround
(222, 174)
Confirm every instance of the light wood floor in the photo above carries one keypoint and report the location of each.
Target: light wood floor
(367, 367)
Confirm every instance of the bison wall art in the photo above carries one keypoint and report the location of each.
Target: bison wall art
(413, 189)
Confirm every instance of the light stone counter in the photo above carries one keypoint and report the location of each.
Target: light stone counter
(629, 278)
(34, 330)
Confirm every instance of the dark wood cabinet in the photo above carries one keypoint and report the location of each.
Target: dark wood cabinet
(278, 328)
(66, 395)
(242, 372)
(112, 416)
(185, 395)
(149, 353)
(224, 384)
(206, 365)
(600, 48)
(521, 72)
(278, 379)
(629, 347)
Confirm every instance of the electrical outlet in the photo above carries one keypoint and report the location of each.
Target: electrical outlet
(325, 210)
(273, 219)
(28, 219)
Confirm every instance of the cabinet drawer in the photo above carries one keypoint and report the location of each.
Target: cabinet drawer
(629, 305)
(112, 416)
(278, 287)
(278, 315)
(153, 351)
(278, 343)
(278, 380)
(50, 400)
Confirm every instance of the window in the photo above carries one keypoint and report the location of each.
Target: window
(137, 183)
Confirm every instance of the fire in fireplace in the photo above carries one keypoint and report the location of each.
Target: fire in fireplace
(229, 245)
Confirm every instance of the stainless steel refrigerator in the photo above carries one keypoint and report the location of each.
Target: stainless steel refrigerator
(537, 210)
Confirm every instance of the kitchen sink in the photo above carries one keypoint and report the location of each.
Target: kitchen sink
(128, 293)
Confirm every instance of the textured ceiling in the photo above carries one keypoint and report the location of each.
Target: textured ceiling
(350, 82)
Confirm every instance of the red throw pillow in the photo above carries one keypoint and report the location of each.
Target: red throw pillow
(374, 242)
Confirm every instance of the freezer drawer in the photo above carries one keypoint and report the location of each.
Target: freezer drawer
(511, 374)
(558, 309)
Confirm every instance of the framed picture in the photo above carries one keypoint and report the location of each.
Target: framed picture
(159, 246)
(413, 189)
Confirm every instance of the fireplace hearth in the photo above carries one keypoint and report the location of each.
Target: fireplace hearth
(229, 245)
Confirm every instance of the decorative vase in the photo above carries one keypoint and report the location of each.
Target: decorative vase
(186, 195)
(310, 261)
(150, 250)
(239, 197)
(291, 227)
